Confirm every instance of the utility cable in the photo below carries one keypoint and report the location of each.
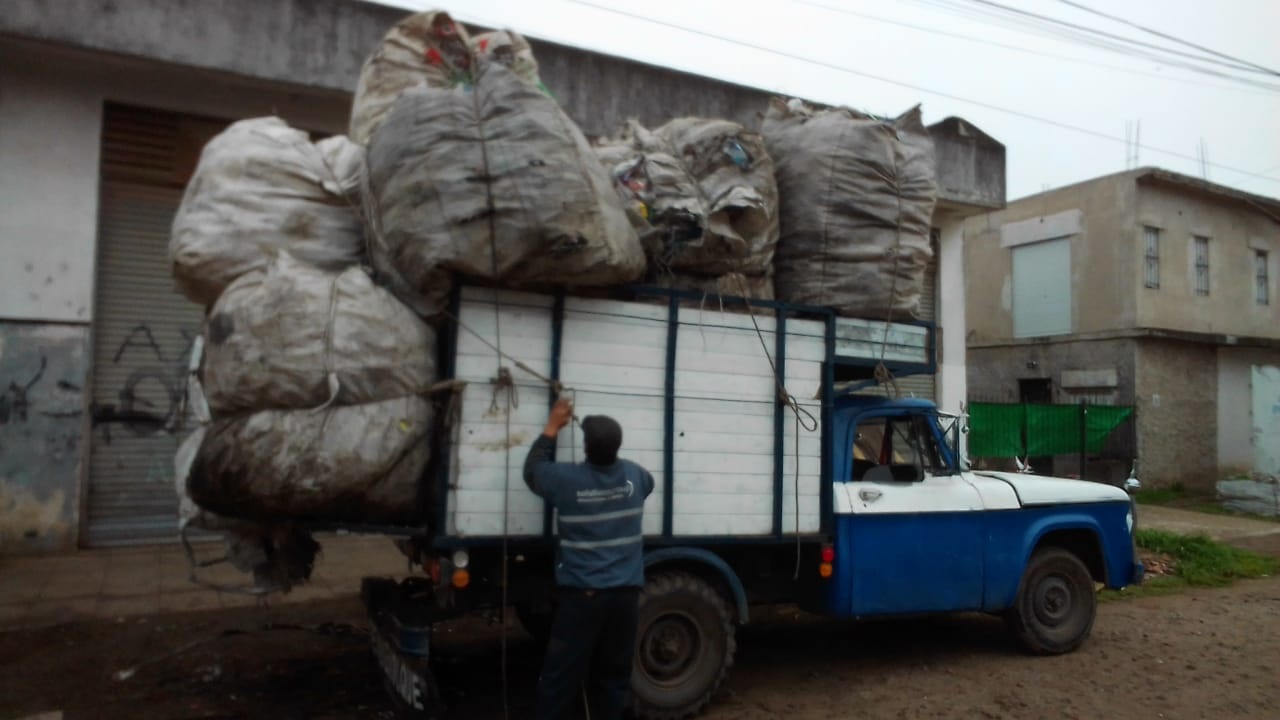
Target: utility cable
(1029, 51)
(1037, 19)
(1157, 33)
(910, 86)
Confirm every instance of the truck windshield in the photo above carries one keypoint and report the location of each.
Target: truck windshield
(904, 443)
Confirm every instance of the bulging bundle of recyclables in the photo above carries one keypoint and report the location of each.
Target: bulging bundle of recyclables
(324, 267)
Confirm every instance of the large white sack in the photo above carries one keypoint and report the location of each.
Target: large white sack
(493, 181)
(857, 196)
(260, 187)
(425, 48)
(352, 463)
(294, 336)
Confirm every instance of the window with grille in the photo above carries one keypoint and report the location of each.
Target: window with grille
(1151, 259)
(1202, 264)
(1262, 283)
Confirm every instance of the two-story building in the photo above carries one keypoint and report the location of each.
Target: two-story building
(1145, 288)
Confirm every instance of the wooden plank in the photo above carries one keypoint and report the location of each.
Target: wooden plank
(694, 524)
(472, 295)
(698, 462)
(759, 446)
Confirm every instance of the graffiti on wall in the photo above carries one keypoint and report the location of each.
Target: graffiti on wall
(152, 397)
(42, 371)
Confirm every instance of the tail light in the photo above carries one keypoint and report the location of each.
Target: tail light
(825, 568)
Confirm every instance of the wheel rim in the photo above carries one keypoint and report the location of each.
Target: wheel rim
(670, 648)
(1054, 601)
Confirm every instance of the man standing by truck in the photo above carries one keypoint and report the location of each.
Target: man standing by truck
(599, 565)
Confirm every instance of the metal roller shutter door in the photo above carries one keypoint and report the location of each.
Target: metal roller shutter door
(143, 329)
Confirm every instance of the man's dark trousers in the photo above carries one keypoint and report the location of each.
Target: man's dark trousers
(593, 638)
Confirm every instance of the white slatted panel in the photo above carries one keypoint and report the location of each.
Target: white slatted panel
(724, 427)
(613, 356)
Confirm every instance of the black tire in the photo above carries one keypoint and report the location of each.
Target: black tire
(684, 647)
(1056, 603)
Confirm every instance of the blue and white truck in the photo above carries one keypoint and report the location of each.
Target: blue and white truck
(782, 476)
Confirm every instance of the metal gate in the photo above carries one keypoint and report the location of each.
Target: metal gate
(143, 329)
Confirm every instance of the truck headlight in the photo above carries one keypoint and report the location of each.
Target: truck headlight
(460, 559)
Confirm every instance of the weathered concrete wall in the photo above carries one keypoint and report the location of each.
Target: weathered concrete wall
(1234, 230)
(994, 371)
(43, 372)
(320, 44)
(51, 103)
(1177, 405)
(48, 197)
(971, 164)
(1101, 252)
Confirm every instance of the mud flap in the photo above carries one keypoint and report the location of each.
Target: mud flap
(401, 639)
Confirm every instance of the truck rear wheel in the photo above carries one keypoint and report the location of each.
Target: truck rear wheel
(1056, 603)
(684, 647)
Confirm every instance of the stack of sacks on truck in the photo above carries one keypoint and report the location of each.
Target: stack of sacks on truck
(475, 171)
(857, 196)
(702, 195)
(312, 378)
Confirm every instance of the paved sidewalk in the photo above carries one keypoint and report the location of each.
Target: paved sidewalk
(132, 581)
(1224, 528)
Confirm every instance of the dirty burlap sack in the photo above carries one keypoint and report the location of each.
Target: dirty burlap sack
(342, 463)
(260, 187)
(493, 181)
(294, 336)
(855, 235)
(425, 48)
(702, 195)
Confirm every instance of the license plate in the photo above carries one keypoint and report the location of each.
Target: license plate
(411, 688)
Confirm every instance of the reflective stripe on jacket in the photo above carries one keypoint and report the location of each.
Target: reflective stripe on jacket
(600, 509)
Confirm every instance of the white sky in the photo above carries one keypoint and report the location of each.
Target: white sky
(969, 76)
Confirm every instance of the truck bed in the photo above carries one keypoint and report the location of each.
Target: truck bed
(693, 387)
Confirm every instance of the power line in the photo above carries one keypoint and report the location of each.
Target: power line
(1157, 33)
(988, 43)
(909, 86)
(1069, 32)
(1110, 36)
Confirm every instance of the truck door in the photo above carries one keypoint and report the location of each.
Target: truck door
(908, 526)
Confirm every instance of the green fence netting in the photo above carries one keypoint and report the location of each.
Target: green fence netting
(1020, 430)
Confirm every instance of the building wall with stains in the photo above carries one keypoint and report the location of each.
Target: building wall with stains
(43, 374)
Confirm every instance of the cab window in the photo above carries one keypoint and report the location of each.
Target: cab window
(898, 449)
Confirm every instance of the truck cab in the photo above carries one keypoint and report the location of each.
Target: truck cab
(917, 531)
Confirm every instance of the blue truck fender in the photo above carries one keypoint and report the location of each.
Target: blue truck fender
(687, 556)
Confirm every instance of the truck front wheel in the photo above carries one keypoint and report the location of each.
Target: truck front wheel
(1056, 603)
(684, 647)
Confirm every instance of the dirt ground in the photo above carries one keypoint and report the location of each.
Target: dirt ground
(1200, 654)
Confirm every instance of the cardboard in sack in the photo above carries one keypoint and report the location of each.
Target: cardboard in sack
(294, 336)
(261, 187)
(493, 181)
(855, 236)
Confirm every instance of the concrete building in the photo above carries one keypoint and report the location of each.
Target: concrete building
(104, 108)
(1144, 288)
